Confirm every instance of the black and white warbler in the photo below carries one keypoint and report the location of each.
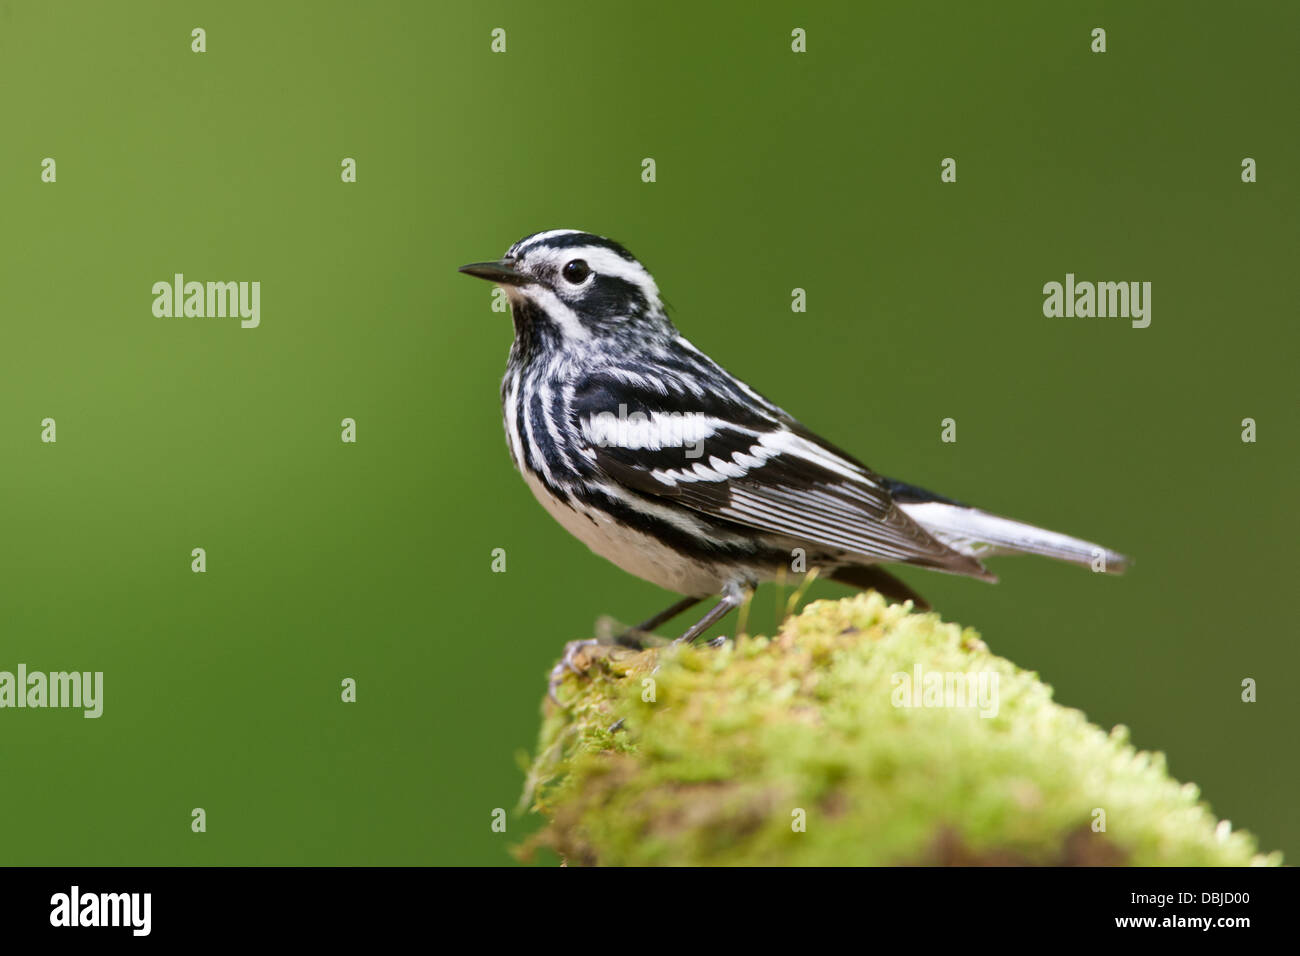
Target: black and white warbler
(659, 460)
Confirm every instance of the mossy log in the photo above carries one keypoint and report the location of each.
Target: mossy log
(835, 743)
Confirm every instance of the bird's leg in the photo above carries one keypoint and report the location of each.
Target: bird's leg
(631, 638)
(733, 596)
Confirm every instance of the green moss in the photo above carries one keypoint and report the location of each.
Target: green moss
(707, 756)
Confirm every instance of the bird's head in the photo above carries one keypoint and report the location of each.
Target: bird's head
(569, 288)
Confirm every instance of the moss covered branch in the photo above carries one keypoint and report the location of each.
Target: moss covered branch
(862, 734)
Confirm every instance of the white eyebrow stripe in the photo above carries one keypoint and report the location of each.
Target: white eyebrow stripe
(530, 241)
(602, 261)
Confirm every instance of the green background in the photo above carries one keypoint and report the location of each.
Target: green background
(775, 171)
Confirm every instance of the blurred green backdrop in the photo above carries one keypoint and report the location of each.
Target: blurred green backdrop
(775, 170)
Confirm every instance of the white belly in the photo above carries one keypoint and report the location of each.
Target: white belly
(634, 552)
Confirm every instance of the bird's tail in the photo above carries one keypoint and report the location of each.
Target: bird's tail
(980, 534)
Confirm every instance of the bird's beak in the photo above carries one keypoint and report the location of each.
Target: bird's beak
(502, 272)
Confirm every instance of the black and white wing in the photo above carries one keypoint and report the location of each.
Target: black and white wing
(713, 446)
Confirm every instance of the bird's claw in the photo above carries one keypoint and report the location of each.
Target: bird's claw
(567, 665)
(695, 641)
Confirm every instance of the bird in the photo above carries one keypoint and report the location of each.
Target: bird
(661, 461)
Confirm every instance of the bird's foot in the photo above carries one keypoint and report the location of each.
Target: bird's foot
(695, 641)
(579, 656)
(568, 665)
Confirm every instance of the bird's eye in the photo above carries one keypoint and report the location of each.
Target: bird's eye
(575, 271)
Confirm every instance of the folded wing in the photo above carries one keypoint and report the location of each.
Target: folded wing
(750, 465)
